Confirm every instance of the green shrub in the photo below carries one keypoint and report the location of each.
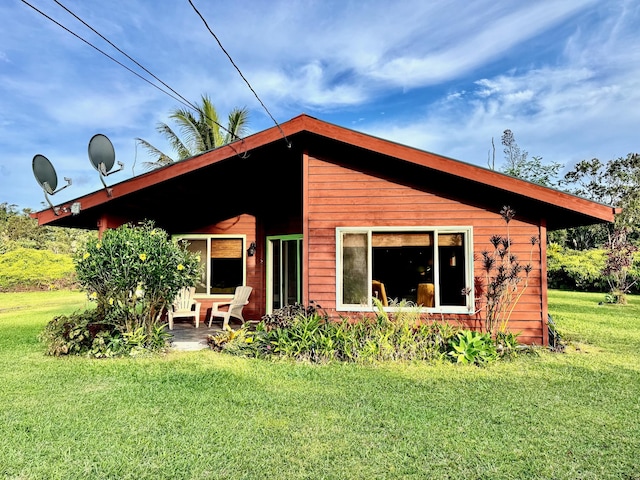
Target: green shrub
(581, 270)
(576, 269)
(30, 269)
(473, 347)
(85, 334)
(75, 335)
(282, 317)
(133, 273)
(304, 334)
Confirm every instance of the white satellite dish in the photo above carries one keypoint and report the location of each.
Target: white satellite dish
(46, 177)
(102, 156)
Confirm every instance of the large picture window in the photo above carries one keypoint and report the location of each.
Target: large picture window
(222, 262)
(431, 267)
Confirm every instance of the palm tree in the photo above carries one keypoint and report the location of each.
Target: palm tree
(199, 134)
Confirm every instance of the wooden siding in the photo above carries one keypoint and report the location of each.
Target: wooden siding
(338, 196)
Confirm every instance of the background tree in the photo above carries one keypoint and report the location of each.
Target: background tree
(517, 164)
(196, 133)
(19, 230)
(615, 183)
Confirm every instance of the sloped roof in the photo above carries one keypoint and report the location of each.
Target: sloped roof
(190, 180)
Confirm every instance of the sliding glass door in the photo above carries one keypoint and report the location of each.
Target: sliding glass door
(284, 271)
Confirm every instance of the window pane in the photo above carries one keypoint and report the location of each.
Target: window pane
(226, 265)
(452, 269)
(354, 268)
(199, 247)
(291, 267)
(403, 263)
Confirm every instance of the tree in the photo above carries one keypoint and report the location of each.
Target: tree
(533, 170)
(196, 134)
(19, 230)
(514, 157)
(615, 183)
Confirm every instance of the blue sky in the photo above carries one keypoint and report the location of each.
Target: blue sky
(446, 77)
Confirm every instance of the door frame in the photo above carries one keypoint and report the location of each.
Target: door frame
(269, 267)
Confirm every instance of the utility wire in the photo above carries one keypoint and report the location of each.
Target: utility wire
(101, 51)
(179, 98)
(238, 69)
(184, 100)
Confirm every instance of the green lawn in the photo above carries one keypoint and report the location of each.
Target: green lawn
(197, 415)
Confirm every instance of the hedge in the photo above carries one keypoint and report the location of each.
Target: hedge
(31, 269)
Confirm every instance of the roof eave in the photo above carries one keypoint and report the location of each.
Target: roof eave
(587, 208)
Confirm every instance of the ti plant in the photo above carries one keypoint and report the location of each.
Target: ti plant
(504, 279)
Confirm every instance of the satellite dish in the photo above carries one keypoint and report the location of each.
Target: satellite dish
(45, 173)
(102, 156)
(101, 153)
(46, 177)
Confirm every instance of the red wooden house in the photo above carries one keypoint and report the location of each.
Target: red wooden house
(310, 211)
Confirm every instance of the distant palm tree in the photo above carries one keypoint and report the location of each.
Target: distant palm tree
(199, 134)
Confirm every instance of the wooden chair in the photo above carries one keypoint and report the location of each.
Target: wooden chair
(234, 306)
(426, 294)
(378, 291)
(184, 305)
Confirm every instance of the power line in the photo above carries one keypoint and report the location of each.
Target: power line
(238, 69)
(99, 50)
(179, 98)
(185, 101)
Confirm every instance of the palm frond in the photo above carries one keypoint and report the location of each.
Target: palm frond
(174, 140)
(210, 123)
(198, 132)
(163, 159)
(237, 125)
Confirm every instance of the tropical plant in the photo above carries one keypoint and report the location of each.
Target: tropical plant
(620, 252)
(196, 133)
(303, 334)
(133, 273)
(505, 279)
(284, 316)
(507, 345)
(81, 333)
(473, 347)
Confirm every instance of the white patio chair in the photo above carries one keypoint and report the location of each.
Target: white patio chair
(234, 306)
(184, 305)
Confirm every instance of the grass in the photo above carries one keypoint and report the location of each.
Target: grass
(196, 415)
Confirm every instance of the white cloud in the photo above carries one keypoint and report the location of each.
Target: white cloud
(448, 77)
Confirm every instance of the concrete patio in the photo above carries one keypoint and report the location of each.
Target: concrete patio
(186, 337)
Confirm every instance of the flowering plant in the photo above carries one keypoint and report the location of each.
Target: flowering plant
(133, 273)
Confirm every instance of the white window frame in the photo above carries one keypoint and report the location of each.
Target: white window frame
(469, 266)
(209, 237)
